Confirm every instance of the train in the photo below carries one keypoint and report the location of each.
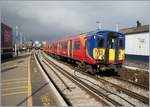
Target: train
(95, 51)
(6, 42)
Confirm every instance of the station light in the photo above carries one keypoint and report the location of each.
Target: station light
(36, 42)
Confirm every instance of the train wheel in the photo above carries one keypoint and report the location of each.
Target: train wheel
(81, 65)
(89, 69)
(116, 70)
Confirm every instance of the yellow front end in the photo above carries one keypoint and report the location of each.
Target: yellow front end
(121, 56)
(99, 54)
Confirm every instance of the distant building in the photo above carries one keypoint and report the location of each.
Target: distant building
(137, 42)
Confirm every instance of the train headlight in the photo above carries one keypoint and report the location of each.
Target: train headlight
(101, 57)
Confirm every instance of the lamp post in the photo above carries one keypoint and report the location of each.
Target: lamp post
(99, 25)
(21, 37)
(16, 41)
(117, 27)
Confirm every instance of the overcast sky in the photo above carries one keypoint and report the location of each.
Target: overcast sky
(49, 20)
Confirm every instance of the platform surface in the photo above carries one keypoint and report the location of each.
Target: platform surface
(23, 83)
(15, 81)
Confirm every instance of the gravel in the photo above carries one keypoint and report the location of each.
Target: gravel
(138, 64)
(110, 88)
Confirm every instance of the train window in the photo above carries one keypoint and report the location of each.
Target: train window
(64, 45)
(55, 46)
(120, 43)
(111, 45)
(60, 45)
(100, 42)
(77, 45)
(87, 45)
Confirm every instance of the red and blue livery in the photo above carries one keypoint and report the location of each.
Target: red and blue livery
(95, 51)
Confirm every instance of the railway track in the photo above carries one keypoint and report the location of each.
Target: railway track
(124, 90)
(72, 90)
(105, 92)
(49, 77)
(118, 78)
(95, 94)
(136, 84)
(141, 98)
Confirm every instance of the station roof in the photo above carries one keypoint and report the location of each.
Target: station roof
(134, 30)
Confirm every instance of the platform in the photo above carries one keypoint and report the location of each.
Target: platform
(24, 84)
(42, 94)
(15, 81)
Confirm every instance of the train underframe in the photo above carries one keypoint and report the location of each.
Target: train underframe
(90, 68)
(93, 69)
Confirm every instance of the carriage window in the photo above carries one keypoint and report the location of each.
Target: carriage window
(77, 45)
(120, 44)
(55, 45)
(100, 42)
(87, 45)
(64, 45)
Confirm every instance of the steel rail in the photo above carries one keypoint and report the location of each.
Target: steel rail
(121, 79)
(85, 84)
(63, 96)
(128, 92)
(136, 84)
(74, 81)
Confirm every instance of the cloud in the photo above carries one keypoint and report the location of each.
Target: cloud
(52, 20)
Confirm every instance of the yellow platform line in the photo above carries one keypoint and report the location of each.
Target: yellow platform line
(29, 101)
(17, 82)
(13, 88)
(15, 79)
(14, 93)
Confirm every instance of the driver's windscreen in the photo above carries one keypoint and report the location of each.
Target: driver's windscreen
(120, 43)
(100, 42)
(111, 43)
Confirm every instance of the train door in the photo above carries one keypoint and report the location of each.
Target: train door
(83, 48)
(76, 51)
(70, 49)
(116, 50)
(111, 53)
(107, 50)
(58, 48)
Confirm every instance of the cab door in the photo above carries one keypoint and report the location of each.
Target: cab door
(111, 53)
(116, 50)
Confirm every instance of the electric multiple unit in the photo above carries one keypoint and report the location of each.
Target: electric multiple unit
(96, 51)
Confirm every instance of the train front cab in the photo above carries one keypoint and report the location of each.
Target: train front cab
(108, 50)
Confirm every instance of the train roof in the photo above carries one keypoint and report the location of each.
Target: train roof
(98, 31)
(85, 34)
